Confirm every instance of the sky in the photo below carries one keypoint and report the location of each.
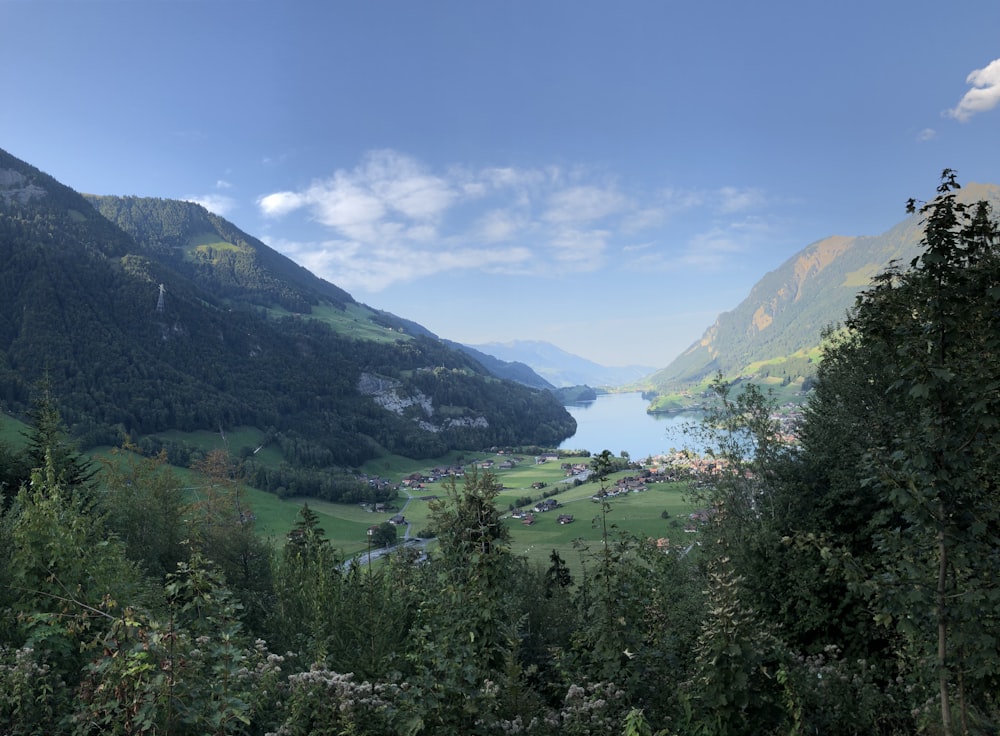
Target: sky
(606, 176)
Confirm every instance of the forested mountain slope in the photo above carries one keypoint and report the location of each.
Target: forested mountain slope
(777, 329)
(216, 255)
(229, 344)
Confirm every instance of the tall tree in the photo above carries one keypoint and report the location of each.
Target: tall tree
(49, 446)
(928, 342)
(143, 503)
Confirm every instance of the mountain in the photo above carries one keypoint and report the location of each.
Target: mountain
(148, 317)
(776, 331)
(511, 370)
(561, 368)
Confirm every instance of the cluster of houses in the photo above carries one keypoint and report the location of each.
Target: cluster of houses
(622, 486)
(683, 465)
(548, 504)
(420, 480)
(508, 463)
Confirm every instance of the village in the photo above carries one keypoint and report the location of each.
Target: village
(529, 498)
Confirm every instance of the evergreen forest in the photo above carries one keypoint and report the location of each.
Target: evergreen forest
(847, 581)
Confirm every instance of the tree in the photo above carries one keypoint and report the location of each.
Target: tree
(307, 536)
(222, 526)
(65, 571)
(383, 535)
(48, 445)
(922, 350)
(143, 503)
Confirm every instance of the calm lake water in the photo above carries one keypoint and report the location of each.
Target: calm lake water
(619, 422)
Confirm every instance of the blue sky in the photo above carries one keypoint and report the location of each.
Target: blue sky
(604, 176)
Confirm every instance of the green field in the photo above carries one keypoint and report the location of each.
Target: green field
(355, 321)
(346, 524)
(12, 431)
(636, 513)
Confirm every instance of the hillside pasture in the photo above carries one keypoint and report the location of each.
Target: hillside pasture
(346, 525)
(12, 431)
(638, 514)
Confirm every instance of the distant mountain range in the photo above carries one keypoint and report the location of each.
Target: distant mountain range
(775, 333)
(148, 317)
(561, 368)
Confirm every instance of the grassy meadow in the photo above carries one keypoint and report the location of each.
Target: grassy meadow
(12, 431)
(346, 524)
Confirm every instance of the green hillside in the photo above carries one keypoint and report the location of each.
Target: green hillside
(776, 331)
(239, 336)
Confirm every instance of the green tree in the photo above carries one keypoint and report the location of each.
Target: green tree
(49, 446)
(223, 530)
(64, 570)
(383, 535)
(144, 505)
(917, 369)
(468, 632)
(307, 536)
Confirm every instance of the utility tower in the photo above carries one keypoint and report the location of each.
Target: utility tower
(159, 302)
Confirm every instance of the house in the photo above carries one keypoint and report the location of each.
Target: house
(528, 520)
(565, 518)
(547, 505)
(397, 520)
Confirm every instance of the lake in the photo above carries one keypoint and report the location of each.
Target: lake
(619, 422)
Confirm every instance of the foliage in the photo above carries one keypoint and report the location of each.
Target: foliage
(143, 503)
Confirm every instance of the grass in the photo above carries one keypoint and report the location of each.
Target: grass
(354, 321)
(346, 525)
(639, 514)
(636, 513)
(12, 431)
(202, 244)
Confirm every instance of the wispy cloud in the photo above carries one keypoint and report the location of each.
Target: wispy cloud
(735, 199)
(391, 219)
(984, 95)
(926, 134)
(218, 204)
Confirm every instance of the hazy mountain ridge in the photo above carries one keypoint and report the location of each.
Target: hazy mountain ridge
(781, 321)
(561, 368)
(79, 304)
(512, 370)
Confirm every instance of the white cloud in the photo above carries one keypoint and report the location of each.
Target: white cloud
(348, 206)
(218, 204)
(280, 203)
(580, 249)
(984, 95)
(583, 203)
(926, 134)
(500, 224)
(358, 266)
(392, 219)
